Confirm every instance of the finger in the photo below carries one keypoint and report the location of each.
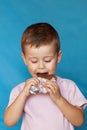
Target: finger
(34, 81)
(50, 88)
(52, 83)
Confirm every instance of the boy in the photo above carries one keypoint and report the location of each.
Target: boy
(61, 107)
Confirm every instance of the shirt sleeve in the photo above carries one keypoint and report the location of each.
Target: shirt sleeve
(15, 92)
(76, 97)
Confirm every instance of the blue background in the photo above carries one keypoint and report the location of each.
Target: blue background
(69, 17)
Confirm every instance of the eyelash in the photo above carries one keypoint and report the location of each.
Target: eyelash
(48, 61)
(34, 61)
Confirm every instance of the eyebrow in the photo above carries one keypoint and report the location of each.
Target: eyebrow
(48, 56)
(44, 56)
(32, 57)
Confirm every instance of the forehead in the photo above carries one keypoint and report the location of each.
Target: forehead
(43, 49)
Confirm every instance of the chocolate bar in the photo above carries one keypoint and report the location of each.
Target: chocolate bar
(40, 88)
(46, 76)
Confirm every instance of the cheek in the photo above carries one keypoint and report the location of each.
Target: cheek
(52, 67)
(31, 68)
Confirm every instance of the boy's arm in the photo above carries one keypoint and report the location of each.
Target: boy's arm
(73, 114)
(15, 110)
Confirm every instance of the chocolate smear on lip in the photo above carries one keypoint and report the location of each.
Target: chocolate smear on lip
(46, 75)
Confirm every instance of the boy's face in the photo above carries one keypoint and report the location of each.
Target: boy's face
(41, 59)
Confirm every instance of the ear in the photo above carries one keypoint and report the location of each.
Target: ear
(24, 59)
(59, 56)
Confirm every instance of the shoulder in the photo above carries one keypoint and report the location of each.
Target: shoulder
(71, 92)
(15, 92)
(18, 88)
(65, 82)
(67, 86)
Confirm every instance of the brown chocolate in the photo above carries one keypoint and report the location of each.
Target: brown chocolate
(46, 76)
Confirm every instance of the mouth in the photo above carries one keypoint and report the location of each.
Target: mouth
(45, 75)
(42, 74)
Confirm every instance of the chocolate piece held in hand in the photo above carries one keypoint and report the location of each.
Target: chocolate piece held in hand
(46, 76)
(40, 88)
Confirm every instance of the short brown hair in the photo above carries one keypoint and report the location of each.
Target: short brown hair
(39, 34)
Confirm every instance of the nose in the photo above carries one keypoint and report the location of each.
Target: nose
(41, 65)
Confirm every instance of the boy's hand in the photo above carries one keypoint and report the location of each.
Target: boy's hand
(28, 84)
(53, 90)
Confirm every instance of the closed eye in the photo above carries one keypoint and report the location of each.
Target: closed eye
(47, 61)
(34, 61)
